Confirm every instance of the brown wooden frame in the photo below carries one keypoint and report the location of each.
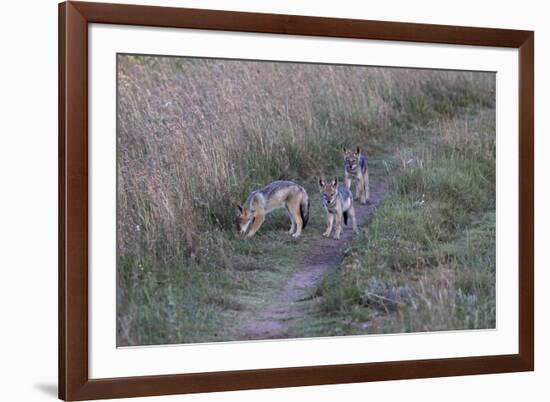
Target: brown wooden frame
(74, 18)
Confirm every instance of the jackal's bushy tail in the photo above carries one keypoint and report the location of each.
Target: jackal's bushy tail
(304, 210)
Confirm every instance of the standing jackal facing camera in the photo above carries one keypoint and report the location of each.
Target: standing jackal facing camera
(278, 194)
(338, 203)
(355, 164)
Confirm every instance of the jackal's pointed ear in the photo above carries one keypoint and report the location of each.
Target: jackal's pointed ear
(239, 209)
(344, 150)
(358, 150)
(335, 182)
(321, 182)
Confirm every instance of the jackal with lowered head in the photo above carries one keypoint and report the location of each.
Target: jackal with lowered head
(338, 203)
(278, 194)
(355, 165)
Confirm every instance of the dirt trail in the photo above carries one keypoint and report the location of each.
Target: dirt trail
(324, 255)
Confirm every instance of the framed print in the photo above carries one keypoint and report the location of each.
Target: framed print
(259, 200)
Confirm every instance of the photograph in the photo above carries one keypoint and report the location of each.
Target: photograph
(266, 201)
(274, 200)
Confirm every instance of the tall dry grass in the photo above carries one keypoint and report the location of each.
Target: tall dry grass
(195, 136)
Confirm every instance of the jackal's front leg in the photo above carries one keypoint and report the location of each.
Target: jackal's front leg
(347, 180)
(338, 230)
(366, 194)
(330, 219)
(359, 189)
(258, 220)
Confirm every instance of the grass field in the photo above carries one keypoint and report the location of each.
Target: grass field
(196, 136)
(428, 262)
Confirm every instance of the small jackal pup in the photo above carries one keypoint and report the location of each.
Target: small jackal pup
(278, 194)
(355, 165)
(338, 203)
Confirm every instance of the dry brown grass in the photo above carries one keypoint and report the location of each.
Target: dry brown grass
(196, 135)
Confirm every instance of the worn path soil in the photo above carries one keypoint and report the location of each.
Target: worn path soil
(325, 254)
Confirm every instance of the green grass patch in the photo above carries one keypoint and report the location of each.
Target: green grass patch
(428, 262)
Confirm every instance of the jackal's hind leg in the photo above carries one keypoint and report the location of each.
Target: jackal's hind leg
(299, 223)
(292, 222)
(363, 191)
